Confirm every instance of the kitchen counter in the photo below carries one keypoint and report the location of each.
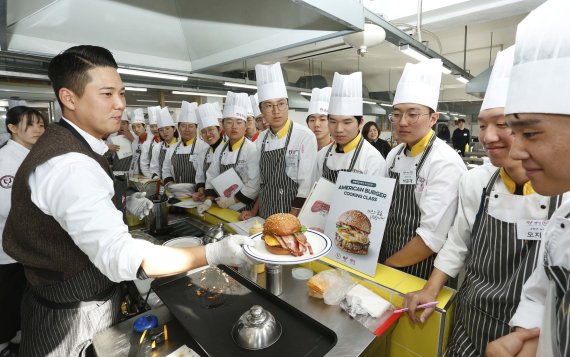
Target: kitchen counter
(353, 338)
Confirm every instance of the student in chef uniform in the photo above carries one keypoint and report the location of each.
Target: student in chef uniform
(539, 113)
(148, 146)
(287, 151)
(139, 127)
(123, 164)
(251, 131)
(427, 173)
(211, 132)
(317, 119)
(182, 159)
(350, 151)
(73, 243)
(238, 153)
(24, 125)
(260, 122)
(485, 238)
(169, 137)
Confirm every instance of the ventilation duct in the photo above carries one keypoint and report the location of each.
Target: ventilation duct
(310, 82)
(372, 109)
(478, 85)
(297, 101)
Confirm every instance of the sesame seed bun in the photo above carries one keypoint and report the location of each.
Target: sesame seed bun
(281, 224)
(356, 219)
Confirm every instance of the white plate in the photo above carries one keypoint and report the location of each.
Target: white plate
(183, 242)
(321, 245)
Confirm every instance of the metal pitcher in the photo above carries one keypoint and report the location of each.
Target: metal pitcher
(157, 219)
(214, 234)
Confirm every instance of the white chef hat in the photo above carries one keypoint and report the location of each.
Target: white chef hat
(540, 79)
(346, 94)
(320, 98)
(255, 105)
(236, 105)
(420, 83)
(270, 83)
(138, 117)
(496, 94)
(125, 116)
(249, 108)
(188, 113)
(208, 115)
(153, 114)
(165, 119)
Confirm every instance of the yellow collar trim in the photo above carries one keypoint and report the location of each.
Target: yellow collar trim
(281, 133)
(421, 145)
(238, 144)
(172, 142)
(512, 186)
(189, 142)
(351, 145)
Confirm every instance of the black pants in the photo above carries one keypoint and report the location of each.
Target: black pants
(12, 285)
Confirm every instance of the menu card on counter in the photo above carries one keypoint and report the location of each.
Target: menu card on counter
(357, 219)
(228, 184)
(314, 213)
(125, 148)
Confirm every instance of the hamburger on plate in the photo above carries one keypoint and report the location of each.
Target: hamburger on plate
(283, 234)
(352, 230)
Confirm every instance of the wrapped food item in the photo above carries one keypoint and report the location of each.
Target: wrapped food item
(330, 285)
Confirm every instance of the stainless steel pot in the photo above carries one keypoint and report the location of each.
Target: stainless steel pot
(157, 219)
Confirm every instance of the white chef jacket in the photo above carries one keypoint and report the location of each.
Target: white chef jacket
(451, 257)
(154, 163)
(136, 145)
(11, 157)
(556, 244)
(145, 161)
(369, 161)
(435, 191)
(303, 145)
(77, 192)
(247, 167)
(168, 170)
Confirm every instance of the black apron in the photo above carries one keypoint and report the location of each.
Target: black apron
(123, 164)
(161, 157)
(62, 318)
(495, 271)
(182, 166)
(224, 168)
(277, 190)
(404, 218)
(332, 175)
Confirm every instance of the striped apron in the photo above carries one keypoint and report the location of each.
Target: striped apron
(183, 166)
(161, 157)
(224, 168)
(123, 164)
(332, 175)
(558, 299)
(277, 190)
(495, 271)
(404, 218)
(135, 168)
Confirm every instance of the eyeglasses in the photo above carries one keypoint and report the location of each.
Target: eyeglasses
(412, 117)
(268, 107)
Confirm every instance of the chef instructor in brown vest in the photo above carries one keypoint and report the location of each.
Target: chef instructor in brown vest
(73, 244)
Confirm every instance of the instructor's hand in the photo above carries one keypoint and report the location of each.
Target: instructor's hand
(138, 205)
(228, 251)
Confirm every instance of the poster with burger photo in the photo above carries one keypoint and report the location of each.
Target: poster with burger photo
(357, 219)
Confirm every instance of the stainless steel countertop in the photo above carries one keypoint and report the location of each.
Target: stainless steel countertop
(353, 338)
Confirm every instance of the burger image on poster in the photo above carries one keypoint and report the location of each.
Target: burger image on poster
(352, 231)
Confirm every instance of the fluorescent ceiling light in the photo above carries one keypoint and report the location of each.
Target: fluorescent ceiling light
(445, 70)
(368, 102)
(135, 89)
(147, 101)
(306, 94)
(412, 52)
(461, 79)
(23, 75)
(136, 72)
(199, 94)
(173, 101)
(386, 105)
(240, 85)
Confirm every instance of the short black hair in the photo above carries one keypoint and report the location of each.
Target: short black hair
(461, 119)
(308, 116)
(69, 68)
(16, 114)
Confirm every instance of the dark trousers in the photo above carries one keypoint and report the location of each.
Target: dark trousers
(12, 285)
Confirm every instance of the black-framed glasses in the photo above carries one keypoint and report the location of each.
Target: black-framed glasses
(269, 107)
(411, 117)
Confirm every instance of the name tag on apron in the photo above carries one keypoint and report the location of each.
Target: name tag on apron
(292, 158)
(531, 229)
(408, 177)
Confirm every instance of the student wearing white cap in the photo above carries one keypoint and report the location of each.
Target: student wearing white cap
(260, 122)
(139, 127)
(209, 126)
(182, 158)
(238, 153)
(287, 151)
(154, 139)
(538, 112)
(168, 136)
(427, 173)
(485, 239)
(317, 119)
(123, 164)
(251, 131)
(24, 126)
(350, 151)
